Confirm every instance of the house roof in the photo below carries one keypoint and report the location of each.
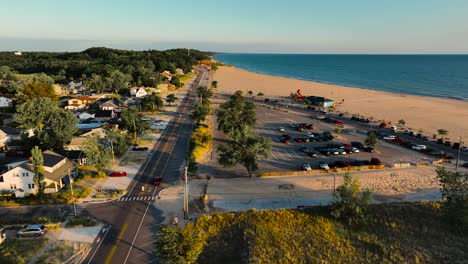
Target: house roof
(85, 98)
(58, 174)
(11, 130)
(51, 158)
(72, 154)
(104, 113)
(109, 103)
(77, 141)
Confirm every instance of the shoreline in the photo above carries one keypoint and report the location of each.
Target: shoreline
(419, 111)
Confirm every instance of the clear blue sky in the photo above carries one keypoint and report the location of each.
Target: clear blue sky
(276, 26)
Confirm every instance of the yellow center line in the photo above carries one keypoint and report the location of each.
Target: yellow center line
(114, 248)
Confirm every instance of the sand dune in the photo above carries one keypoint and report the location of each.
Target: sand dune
(426, 113)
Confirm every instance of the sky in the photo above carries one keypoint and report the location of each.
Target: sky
(246, 26)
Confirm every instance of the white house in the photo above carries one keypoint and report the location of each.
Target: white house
(108, 105)
(5, 102)
(141, 92)
(20, 179)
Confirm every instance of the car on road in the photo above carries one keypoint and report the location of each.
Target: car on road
(159, 123)
(369, 149)
(324, 166)
(118, 174)
(139, 148)
(375, 161)
(389, 137)
(357, 145)
(157, 181)
(32, 230)
(306, 167)
(145, 118)
(419, 147)
(281, 129)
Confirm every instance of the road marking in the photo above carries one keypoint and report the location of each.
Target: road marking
(280, 154)
(298, 154)
(99, 245)
(273, 155)
(112, 252)
(138, 230)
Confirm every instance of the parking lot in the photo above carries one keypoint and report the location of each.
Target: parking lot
(286, 157)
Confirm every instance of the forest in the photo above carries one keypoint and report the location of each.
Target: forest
(96, 65)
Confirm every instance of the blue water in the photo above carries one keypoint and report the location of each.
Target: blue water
(428, 75)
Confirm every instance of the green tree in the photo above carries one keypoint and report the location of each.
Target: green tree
(250, 93)
(97, 155)
(130, 120)
(200, 112)
(245, 149)
(454, 189)
(443, 133)
(176, 82)
(36, 113)
(351, 204)
(152, 103)
(95, 83)
(176, 245)
(37, 161)
(260, 94)
(214, 84)
(235, 114)
(371, 139)
(120, 141)
(214, 67)
(204, 92)
(43, 78)
(34, 90)
(119, 80)
(6, 73)
(171, 98)
(62, 126)
(401, 123)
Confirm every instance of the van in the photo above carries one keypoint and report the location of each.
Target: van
(32, 230)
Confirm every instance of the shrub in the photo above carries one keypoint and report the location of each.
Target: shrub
(351, 204)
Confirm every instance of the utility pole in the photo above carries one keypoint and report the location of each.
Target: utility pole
(458, 156)
(112, 150)
(71, 189)
(186, 215)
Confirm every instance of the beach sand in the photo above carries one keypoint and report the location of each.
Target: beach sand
(426, 113)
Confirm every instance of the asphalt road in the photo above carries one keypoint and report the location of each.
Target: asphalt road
(132, 223)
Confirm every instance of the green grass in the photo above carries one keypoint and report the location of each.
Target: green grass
(398, 233)
(75, 221)
(20, 251)
(23, 77)
(109, 194)
(186, 76)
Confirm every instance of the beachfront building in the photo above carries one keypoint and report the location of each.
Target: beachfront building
(319, 101)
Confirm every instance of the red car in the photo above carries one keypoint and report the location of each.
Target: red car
(338, 122)
(310, 127)
(375, 161)
(397, 140)
(157, 181)
(118, 174)
(383, 125)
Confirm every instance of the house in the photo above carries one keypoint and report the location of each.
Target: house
(18, 53)
(4, 140)
(76, 143)
(167, 75)
(104, 115)
(320, 101)
(5, 102)
(79, 102)
(75, 87)
(130, 102)
(20, 180)
(141, 92)
(60, 89)
(108, 105)
(100, 132)
(85, 116)
(77, 156)
(179, 71)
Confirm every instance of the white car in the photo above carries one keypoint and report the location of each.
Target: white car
(393, 128)
(320, 117)
(306, 167)
(309, 134)
(419, 147)
(159, 123)
(464, 149)
(324, 166)
(281, 129)
(389, 137)
(145, 118)
(355, 150)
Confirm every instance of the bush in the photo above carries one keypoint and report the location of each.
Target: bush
(351, 204)
(74, 221)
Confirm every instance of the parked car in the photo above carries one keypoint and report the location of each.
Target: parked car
(369, 149)
(285, 140)
(375, 161)
(306, 167)
(397, 140)
(139, 148)
(324, 166)
(465, 149)
(389, 137)
(281, 129)
(419, 147)
(118, 174)
(456, 145)
(312, 154)
(145, 118)
(342, 151)
(159, 123)
(32, 230)
(298, 140)
(383, 125)
(320, 117)
(357, 145)
(310, 127)
(465, 165)
(286, 136)
(448, 143)
(393, 128)
(440, 141)
(354, 150)
(342, 164)
(157, 181)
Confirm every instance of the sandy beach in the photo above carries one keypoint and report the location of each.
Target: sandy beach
(426, 113)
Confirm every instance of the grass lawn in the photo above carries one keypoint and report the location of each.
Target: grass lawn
(24, 76)
(186, 77)
(20, 251)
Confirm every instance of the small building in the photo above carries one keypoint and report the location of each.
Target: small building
(179, 71)
(77, 156)
(130, 102)
(85, 116)
(138, 93)
(79, 103)
(18, 53)
(19, 180)
(5, 102)
(74, 87)
(108, 105)
(319, 101)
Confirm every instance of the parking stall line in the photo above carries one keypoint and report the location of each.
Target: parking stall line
(298, 154)
(281, 155)
(273, 155)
